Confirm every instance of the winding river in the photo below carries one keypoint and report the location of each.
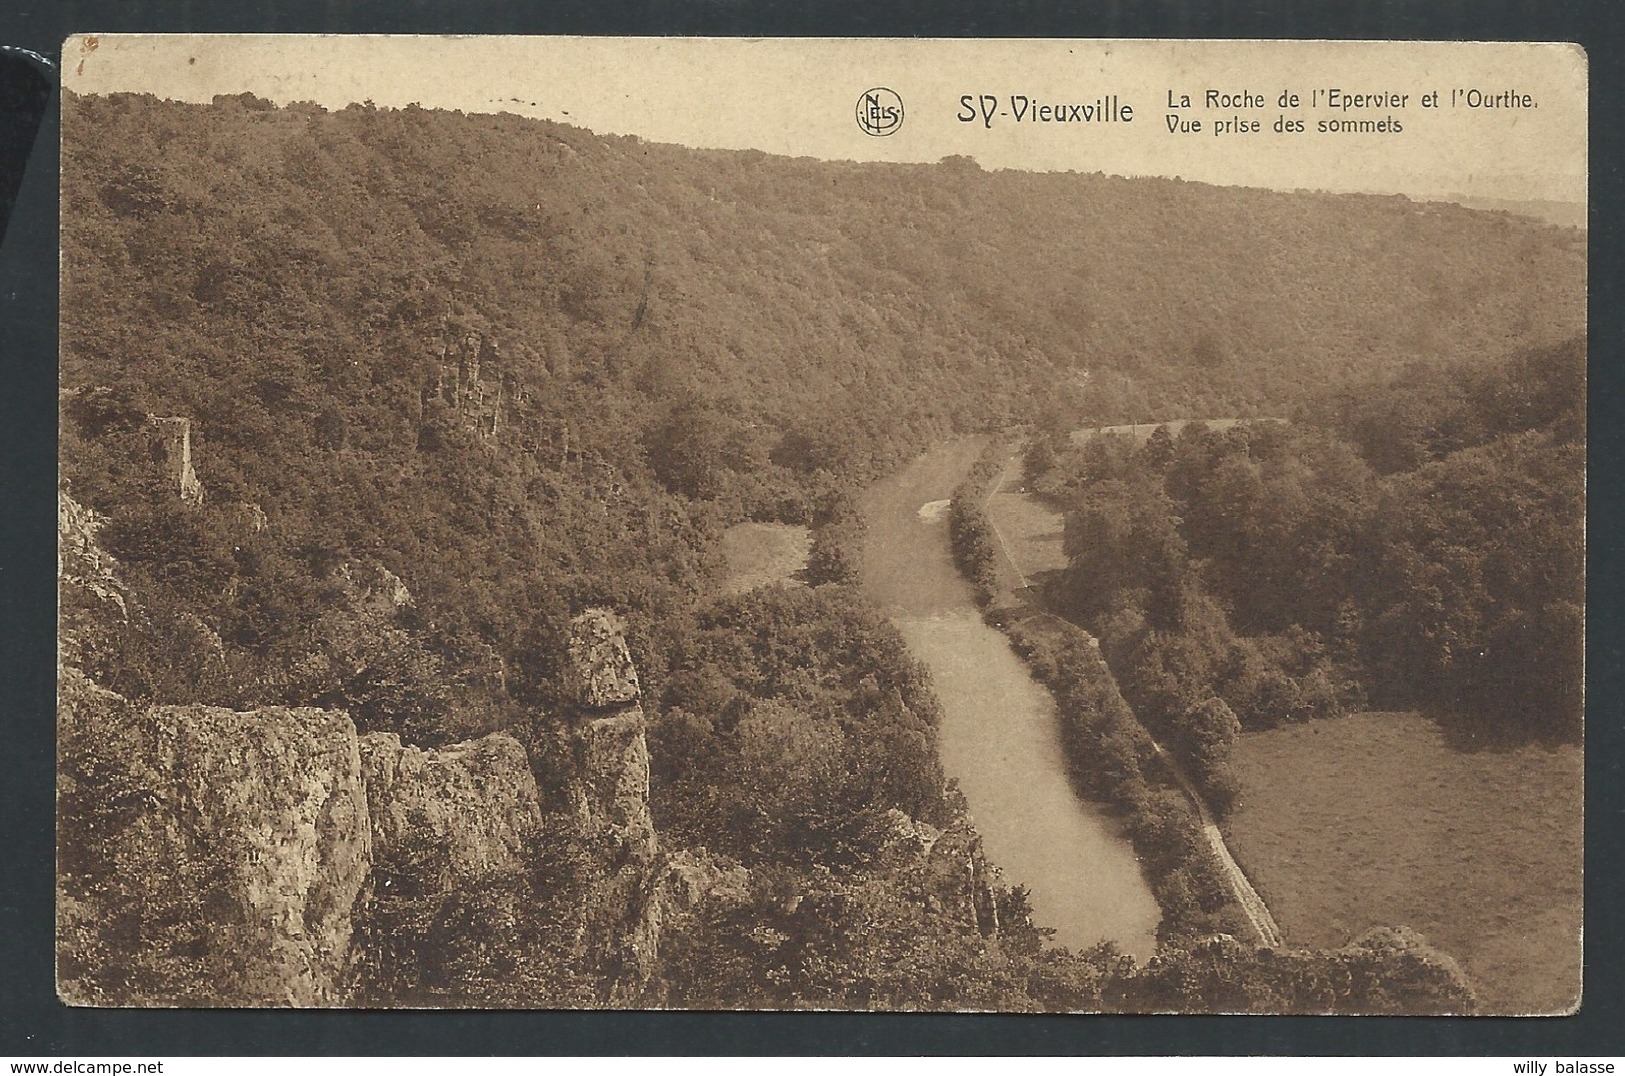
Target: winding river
(999, 734)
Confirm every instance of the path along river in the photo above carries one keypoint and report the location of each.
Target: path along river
(999, 732)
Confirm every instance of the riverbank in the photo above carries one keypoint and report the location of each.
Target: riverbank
(1000, 736)
(1197, 883)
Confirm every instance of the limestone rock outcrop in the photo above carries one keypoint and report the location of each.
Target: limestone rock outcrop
(456, 817)
(694, 877)
(250, 518)
(470, 380)
(608, 738)
(614, 781)
(372, 590)
(274, 857)
(274, 797)
(907, 839)
(610, 797)
(245, 847)
(215, 857)
(963, 879)
(600, 674)
(80, 560)
(955, 874)
(242, 838)
(175, 438)
(91, 597)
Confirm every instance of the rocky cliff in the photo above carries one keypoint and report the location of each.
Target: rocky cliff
(273, 856)
(458, 817)
(953, 873)
(218, 857)
(92, 598)
(268, 806)
(469, 379)
(174, 434)
(454, 833)
(232, 847)
(239, 847)
(610, 797)
(371, 590)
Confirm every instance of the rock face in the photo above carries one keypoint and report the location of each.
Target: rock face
(243, 847)
(274, 857)
(694, 877)
(175, 435)
(80, 560)
(91, 596)
(600, 674)
(695, 883)
(610, 796)
(372, 590)
(614, 782)
(470, 381)
(457, 817)
(213, 857)
(274, 797)
(958, 879)
(607, 729)
(964, 880)
(251, 825)
(250, 517)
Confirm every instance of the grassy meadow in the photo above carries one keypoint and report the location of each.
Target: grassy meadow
(1032, 529)
(763, 553)
(1374, 819)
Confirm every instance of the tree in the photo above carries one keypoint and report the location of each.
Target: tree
(1123, 544)
(1207, 732)
(687, 447)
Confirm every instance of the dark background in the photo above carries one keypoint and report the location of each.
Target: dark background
(34, 1024)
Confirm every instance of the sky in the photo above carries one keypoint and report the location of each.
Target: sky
(799, 97)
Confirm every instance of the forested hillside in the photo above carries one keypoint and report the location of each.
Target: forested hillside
(1415, 543)
(632, 329)
(782, 286)
(369, 407)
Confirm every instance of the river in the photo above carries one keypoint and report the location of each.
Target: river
(999, 737)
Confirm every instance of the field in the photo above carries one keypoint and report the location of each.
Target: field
(1029, 530)
(1372, 819)
(1032, 530)
(763, 553)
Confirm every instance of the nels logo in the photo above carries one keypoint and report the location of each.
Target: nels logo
(880, 112)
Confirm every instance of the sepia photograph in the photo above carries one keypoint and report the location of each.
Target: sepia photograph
(822, 524)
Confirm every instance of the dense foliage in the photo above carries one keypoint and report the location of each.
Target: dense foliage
(793, 720)
(1419, 543)
(971, 536)
(525, 367)
(1113, 761)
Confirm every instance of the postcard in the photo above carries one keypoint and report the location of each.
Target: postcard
(1006, 525)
